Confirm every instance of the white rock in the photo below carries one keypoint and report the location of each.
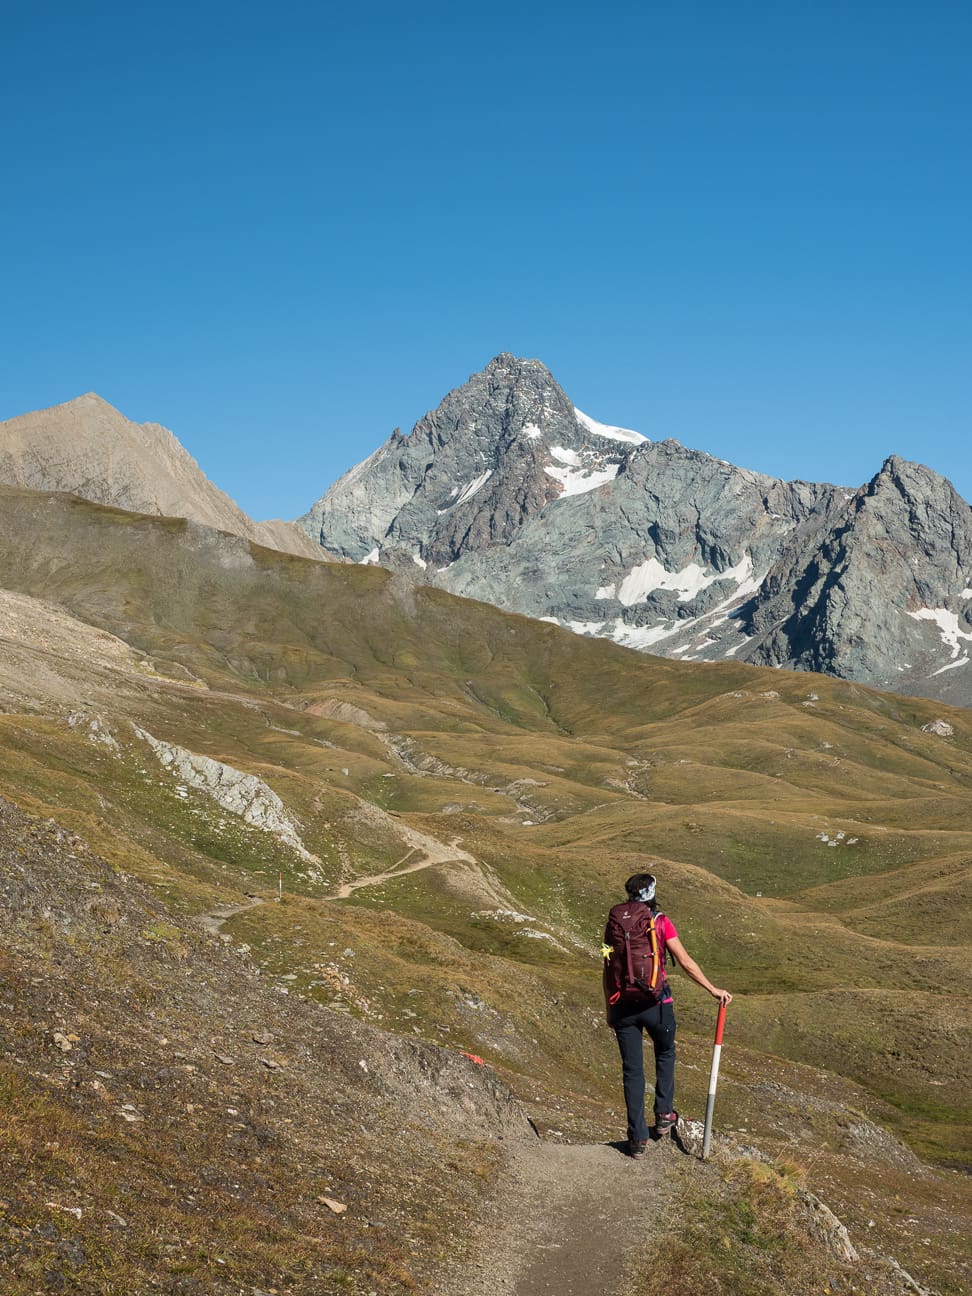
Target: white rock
(939, 727)
(241, 794)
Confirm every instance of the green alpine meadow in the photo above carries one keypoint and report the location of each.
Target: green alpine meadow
(303, 875)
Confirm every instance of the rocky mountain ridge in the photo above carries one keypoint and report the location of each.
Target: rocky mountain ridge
(86, 447)
(509, 494)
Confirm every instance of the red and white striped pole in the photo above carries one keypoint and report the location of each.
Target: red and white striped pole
(713, 1081)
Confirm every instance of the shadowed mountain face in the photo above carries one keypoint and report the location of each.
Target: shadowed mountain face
(509, 494)
(86, 447)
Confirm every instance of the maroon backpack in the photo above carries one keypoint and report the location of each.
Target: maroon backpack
(634, 955)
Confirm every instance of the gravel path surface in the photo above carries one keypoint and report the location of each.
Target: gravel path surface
(558, 1227)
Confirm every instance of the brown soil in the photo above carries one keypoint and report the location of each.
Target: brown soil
(556, 1227)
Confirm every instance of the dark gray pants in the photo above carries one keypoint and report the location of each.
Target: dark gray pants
(659, 1022)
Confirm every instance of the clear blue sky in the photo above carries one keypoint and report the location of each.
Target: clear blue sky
(283, 229)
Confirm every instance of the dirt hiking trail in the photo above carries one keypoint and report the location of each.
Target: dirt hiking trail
(425, 858)
(555, 1226)
(426, 849)
(213, 921)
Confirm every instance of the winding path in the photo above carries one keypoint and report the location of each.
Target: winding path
(428, 851)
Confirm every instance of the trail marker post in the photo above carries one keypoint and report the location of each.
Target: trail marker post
(713, 1081)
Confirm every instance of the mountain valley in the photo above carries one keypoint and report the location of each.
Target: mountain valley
(291, 837)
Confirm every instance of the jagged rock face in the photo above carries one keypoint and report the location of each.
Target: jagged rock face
(508, 494)
(664, 554)
(86, 447)
(493, 455)
(885, 591)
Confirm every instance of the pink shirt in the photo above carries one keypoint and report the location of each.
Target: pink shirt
(665, 929)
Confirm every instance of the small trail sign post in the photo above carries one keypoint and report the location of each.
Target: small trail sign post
(713, 1081)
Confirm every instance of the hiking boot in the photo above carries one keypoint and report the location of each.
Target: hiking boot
(665, 1122)
(637, 1149)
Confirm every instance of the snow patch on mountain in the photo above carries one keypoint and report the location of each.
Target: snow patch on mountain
(578, 481)
(471, 488)
(603, 430)
(689, 582)
(581, 627)
(947, 623)
(569, 457)
(645, 636)
(731, 652)
(626, 635)
(698, 635)
(749, 583)
(962, 661)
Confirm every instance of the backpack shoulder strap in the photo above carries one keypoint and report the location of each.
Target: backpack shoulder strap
(655, 952)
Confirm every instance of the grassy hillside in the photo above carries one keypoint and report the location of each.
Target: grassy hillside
(181, 1126)
(467, 790)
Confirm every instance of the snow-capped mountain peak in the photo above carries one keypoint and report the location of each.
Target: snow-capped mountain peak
(510, 494)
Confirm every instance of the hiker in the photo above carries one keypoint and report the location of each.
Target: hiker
(638, 998)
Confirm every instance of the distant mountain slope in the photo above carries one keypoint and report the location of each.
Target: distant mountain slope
(86, 447)
(509, 494)
(494, 454)
(881, 592)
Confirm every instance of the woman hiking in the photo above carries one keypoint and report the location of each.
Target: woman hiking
(637, 997)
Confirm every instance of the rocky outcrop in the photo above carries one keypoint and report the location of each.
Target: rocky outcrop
(827, 1228)
(940, 728)
(509, 494)
(240, 794)
(663, 557)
